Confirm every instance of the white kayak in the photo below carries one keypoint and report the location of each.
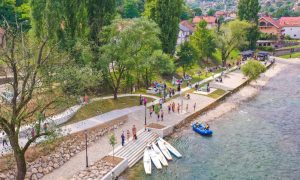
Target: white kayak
(170, 148)
(160, 155)
(147, 161)
(154, 158)
(164, 150)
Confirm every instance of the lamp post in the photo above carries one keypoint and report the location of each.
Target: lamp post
(86, 154)
(145, 104)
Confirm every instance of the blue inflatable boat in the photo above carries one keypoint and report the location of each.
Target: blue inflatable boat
(200, 130)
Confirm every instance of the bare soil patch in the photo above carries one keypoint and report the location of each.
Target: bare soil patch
(156, 126)
(112, 160)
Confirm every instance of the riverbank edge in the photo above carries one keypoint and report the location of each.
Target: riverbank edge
(169, 130)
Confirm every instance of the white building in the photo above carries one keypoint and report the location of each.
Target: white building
(290, 26)
(186, 29)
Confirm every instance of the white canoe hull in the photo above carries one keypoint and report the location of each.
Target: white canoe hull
(155, 159)
(170, 148)
(160, 155)
(147, 162)
(164, 150)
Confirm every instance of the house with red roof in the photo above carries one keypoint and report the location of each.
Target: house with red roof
(269, 26)
(290, 26)
(211, 21)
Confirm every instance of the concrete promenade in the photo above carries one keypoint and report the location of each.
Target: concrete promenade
(101, 148)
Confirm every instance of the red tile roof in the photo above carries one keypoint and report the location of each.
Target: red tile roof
(290, 21)
(271, 20)
(220, 13)
(208, 19)
(188, 25)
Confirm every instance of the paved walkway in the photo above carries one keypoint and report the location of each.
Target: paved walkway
(101, 148)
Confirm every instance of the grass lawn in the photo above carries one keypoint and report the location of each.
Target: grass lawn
(289, 47)
(294, 55)
(216, 94)
(103, 106)
(234, 55)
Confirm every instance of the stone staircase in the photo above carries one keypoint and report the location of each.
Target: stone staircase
(133, 151)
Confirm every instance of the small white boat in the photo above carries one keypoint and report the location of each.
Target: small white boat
(170, 148)
(160, 155)
(147, 161)
(164, 150)
(154, 158)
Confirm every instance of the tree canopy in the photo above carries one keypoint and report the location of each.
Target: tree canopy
(252, 69)
(166, 13)
(232, 36)
(203, 40)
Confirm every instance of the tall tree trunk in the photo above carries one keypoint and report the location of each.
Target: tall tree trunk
(21, 166)
(19, 157)
(115, 94)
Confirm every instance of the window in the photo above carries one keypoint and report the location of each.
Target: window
(262, 24)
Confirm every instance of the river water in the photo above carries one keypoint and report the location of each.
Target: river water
(258, 140)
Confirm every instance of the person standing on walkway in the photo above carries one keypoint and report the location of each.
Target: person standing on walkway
(123, 138)
(178, 108)
(195, 107)
(169, 108)
(128, 135)
(134, 132)
(162, 114)
(187, 107)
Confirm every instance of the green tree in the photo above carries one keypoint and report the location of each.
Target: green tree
(252, 69)
(187, 57)
(197, 11)
(100, 13)
(232, 36)
(248, 10)
(12, 12)
(126, 50)
(203, 41)
(113, 142)
(166, 13)
(31, 64)
(131, 9)
(211, 12)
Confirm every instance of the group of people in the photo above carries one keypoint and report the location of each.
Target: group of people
(158, 110)
(128, 135)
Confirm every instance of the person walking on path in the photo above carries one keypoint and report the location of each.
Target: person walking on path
(162, 114)
(151, 111)
(160, 103)
(178, 108)
(195, 107)
(128, 135)
(134, 132)
(4, 141)
(187, 108)
(169, 108)
(123, 138)
(173, 107)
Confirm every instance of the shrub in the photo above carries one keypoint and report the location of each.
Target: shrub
(252, 69)
(266, 48)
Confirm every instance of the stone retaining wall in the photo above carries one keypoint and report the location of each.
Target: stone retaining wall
(63, 153)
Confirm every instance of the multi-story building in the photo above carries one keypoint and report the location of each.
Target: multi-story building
(290, 26)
